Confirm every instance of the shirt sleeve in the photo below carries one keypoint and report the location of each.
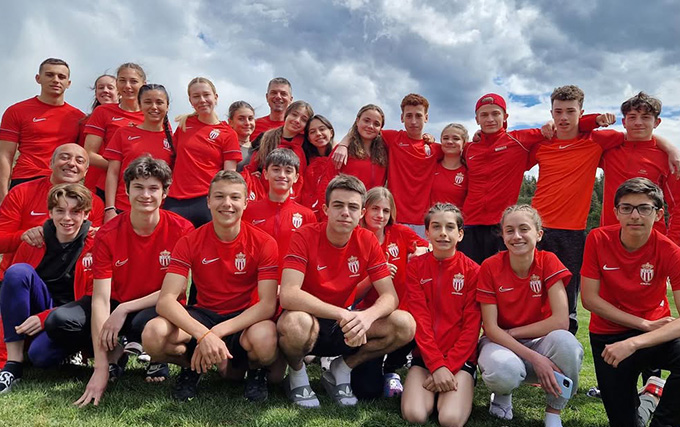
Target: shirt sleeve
(180, 260)
(96, 124)
(298, 253)
(268, 267)
(114, 151)
(10, 220)
(417, 306)
(102, 258)
(554, 270)
(466, 346)
(590, 267)
(413, 240)
(671, 192)
(10, 127)
(231, 149)
(672, 261)
(527, 137)
(390, 137)
(485, 285)
(607, 139)
(377, 264)
(588, 122)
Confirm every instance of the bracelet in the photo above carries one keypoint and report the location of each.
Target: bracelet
(109, 208)
(198, 341)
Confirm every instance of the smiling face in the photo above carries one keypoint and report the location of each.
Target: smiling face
(53, 80)
(490, 118)
(281, 178)
(377, 215)
(369, 125)
(105, 90)
(202, 98)
(640, 125)
(146, 194)
(295, 122)
(319, 134)
(443, 233)
(520, 233)
(227, 200)
(566, 115)
(243, 123)
(453, 140)
(128, 83)
(69, 164)
(279, 97)
(67, 219)
(154, 105)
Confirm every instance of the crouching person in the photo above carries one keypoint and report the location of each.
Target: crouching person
(228, 260)
(321, 272)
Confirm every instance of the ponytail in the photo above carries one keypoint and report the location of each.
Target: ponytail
(168, 137)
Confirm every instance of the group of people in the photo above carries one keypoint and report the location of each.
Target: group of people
(253, 244)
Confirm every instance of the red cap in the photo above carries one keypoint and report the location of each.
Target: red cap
(491, 98)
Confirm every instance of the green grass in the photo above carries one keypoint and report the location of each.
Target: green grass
(44, 398)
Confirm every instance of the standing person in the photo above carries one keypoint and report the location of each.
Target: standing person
(525, 317)
(411, 162)
(228, 259)
(242, 119)
(153, 136)
(625, 275)
(450, 183)
(130, 258)
(104, 122)
(279, 96)
(37, 126)
(105, 91)
(41, 278)
(204, 145)
(319, 134)
(398, 243)
(321, 272)
(442, 286)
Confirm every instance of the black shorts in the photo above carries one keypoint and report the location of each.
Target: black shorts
(209, 319)
(331, 340)
(468, 367)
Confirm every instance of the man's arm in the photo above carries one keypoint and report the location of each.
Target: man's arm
(559, 318)
(293, 298)
(590, 296)
(672, 151)
(113, 325)
(7, 151)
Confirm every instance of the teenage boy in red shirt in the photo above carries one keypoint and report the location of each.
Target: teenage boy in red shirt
(625, 271)
(130, 258)
(279, 96)
(279, 215)
(412, 162)
(37, 126)
(325, 263)
(228, 259)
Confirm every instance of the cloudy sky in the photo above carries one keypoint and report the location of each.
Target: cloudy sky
(342, 54)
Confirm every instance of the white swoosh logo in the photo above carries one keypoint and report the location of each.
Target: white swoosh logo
(604, 267)
(470, 157)
(562, 147)
(258, 221)
(36, 120)
(208, 261)
(423, 281)
(117, 119)
(120, 263)
(502, 289)
(38, 213)
(131, 138)
(321, 267)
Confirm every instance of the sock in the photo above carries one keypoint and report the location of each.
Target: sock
(341, 372)
(501, 406)
(552, 420)
(298, 378)
(16, 368)
(503, 400)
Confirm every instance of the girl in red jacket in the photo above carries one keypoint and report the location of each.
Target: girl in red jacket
(441, 288)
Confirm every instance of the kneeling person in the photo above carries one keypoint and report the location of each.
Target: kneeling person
(324, 265)
(228, 260)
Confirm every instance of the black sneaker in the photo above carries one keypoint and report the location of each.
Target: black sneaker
(256, 385)
(7, 380)
(186, 385)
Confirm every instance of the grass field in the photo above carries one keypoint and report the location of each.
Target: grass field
(44, 398)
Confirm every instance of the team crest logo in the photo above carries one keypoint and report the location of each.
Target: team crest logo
(240, 261)
(87, 261)
(251, 196)
(393, 250)
(353, 264)
(166, 144)
(458, 283)
(164, 258)
(428, 150)
(297, 220)
(214, 134)
(535, 283)
(646, 273)
(460, 176)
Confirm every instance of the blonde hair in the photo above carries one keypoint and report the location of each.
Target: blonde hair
(458, 126)
(375, 194)
(182, 118)
(533, 214)
(82, 195)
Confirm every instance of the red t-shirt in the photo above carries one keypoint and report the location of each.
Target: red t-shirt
(136, 264)
(370, 173)
(633, 159)
(520, 301)
(411, 167)
(38, 129)
(634, 282)
(317, 176)
(225, 273)
(332, 274)
(400, 241)
(441, 298)
(129, 143)
(496, 165)
(201, 152)
(26, 207)
(449, 185)
(279, 220)
(263, 124)
(104, 122)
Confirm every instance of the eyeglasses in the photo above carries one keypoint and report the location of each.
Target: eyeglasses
(643, 210)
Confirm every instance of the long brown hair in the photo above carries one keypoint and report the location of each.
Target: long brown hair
(272, 138)
(378, 151)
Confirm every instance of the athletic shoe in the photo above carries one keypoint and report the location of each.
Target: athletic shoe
(392, 385)
(256, 385)
(75, 359)
(157, 372)
(186, 385)
(653, 386)
(7, 381)
(116, 370)
(594, 392)
(133, 348)
(144, 358)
